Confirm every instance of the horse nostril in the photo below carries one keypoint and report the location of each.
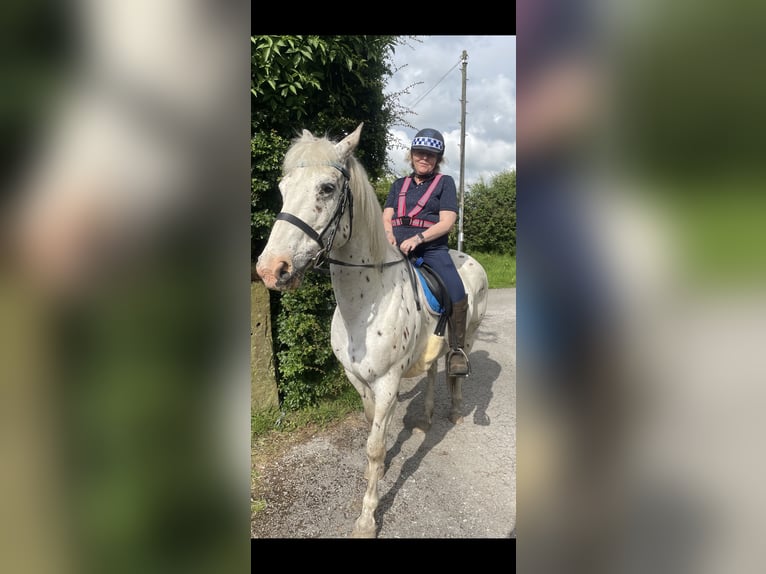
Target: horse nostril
(283, 270)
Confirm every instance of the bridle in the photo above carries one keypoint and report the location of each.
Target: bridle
(346, 202)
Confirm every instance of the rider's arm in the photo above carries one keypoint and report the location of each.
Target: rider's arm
(443, 227)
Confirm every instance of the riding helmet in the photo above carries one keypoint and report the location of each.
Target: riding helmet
(429, 139)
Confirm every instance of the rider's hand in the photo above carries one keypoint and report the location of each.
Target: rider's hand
(409, 244)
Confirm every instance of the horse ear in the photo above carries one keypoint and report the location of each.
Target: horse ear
(349, 143)
(307, 134)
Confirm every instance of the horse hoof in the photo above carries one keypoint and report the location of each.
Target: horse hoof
(368, 532)
(421, 427)
(456, 419)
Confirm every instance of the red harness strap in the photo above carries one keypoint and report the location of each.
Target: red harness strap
(410, 219)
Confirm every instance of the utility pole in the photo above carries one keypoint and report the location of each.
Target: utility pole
(462, 156)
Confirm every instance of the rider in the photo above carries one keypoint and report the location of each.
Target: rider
(418, 220)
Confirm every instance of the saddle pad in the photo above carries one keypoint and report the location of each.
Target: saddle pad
(433, 303)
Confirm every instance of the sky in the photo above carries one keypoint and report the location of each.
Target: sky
(490, 127)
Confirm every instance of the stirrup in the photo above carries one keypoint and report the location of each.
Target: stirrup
(451, 354)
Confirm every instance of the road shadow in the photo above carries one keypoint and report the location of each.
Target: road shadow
(477, 394)
(477, 390)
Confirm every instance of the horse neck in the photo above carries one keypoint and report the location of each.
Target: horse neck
(367, 243)
(358, 250)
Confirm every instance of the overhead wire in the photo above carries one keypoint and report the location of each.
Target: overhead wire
(437, 83)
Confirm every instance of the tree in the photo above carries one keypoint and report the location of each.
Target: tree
(326, 84)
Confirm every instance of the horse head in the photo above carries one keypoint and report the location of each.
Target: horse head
(316, 209)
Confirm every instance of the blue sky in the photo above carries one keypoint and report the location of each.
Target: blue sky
(490, 141)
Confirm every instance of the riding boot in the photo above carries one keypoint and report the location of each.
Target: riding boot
(457, 360)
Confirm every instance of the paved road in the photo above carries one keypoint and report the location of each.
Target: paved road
(455, 481)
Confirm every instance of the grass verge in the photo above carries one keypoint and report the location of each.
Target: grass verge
(325, 412)
(500, 268)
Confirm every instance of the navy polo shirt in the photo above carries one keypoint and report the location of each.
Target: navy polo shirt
(443, 198)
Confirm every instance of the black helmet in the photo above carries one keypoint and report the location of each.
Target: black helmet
(429, 140)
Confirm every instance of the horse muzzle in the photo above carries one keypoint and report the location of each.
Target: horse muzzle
(278, 273)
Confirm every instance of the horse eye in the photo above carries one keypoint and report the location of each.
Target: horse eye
(327, 188)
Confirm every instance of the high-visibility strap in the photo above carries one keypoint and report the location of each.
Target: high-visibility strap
(411, 222)
(402, 209)
(418, 206)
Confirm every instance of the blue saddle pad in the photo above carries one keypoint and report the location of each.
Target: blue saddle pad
(430, 297)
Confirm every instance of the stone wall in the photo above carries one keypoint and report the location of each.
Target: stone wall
(263, 382)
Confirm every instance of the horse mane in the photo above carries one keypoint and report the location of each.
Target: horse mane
(366, 205)
(308, 149)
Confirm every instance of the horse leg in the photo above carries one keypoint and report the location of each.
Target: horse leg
(385, 401)
(368, 400)
(455, 384)
(429, 406)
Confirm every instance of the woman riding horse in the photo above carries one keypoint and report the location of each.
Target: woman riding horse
(418, 215)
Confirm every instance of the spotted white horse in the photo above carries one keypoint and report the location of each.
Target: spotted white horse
(382, 329)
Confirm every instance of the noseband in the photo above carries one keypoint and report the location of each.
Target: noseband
(346, 201)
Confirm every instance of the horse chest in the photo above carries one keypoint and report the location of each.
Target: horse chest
(371, 345)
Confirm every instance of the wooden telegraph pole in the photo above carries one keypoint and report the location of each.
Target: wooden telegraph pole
(462, 156)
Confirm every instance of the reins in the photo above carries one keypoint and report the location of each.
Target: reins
(346, 202)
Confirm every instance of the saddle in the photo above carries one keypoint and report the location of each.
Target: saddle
(438, 298)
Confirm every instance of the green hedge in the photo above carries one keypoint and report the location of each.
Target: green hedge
(489, 216)
(308, 369)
